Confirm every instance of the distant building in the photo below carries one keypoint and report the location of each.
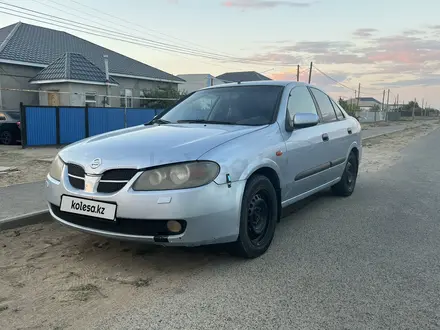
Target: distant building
(242, 76)
(196, 81)
(365, 103)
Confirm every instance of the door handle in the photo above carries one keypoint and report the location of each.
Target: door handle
(325, 137)
(349, 130)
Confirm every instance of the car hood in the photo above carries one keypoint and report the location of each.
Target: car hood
(147, 146)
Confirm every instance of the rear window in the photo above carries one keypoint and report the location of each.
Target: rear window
(15, 115)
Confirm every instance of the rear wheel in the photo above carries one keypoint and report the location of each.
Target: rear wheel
(258, 218)
(346, 186)
(6, 138)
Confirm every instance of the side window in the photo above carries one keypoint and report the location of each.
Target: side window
(300, 100)
(328, 114)
(338, 111)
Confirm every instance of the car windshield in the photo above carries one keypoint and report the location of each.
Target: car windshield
(235, 105)
(15, 115)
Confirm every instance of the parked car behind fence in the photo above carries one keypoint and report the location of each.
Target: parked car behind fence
(10, 127)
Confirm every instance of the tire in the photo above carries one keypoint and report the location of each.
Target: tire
(258, 219)
(6, 137)
(346, 186)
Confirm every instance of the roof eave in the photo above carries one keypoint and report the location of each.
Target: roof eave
(58, 81)
(36, 65)
(145, 78)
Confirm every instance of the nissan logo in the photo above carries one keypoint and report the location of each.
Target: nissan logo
(96, 163)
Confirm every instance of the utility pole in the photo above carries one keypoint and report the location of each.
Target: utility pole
(359, 95)
(422, 110)
(107, 81)
(310, 72)
(383, 99)
(413, 108)
(397, 103)
(388, 100)
(297, 73)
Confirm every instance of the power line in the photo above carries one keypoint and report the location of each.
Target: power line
(61, 20)
(88, 19)
(73, 25)
(334, 80)
(149, 29)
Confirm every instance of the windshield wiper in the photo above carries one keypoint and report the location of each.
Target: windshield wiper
(203, 121)
(158, 121)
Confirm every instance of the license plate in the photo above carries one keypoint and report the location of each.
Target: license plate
(88, 207)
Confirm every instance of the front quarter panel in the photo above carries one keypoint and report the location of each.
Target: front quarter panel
(243, 156)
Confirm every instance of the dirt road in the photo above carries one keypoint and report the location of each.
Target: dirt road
(52, 277)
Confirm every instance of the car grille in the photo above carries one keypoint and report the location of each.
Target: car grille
(110, 182)
(121, 225)
(76, 176)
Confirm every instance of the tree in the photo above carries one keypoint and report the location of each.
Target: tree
(375, 108)
(409, 106)
(351, 108)
(161, 98)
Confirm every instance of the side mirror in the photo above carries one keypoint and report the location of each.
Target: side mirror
(303, 120)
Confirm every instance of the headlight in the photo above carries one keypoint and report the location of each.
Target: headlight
(56, 168)
(179, 176)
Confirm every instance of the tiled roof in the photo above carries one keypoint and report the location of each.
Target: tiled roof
(242, 76)
(72, 66)
(41, 46)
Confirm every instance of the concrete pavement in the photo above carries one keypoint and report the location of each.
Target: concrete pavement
(369, 261)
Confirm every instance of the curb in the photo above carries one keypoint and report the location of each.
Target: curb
(25, 220)
(392, 132)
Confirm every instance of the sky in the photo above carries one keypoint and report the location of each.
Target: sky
(380, 44)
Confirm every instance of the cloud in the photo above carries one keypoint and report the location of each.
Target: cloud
(425, 81)
(262, 4)
(317, 78)
(364, 32)
(391, 50)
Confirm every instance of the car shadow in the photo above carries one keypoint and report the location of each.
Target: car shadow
(173, 259)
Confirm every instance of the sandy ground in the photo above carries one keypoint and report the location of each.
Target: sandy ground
(385, 150)
(27, 163)
(52, 277)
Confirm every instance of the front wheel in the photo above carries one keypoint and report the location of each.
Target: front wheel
(258, 218)
(345, 187)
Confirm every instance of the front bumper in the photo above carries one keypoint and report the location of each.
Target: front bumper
(211, 213)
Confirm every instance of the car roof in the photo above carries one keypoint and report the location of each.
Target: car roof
(283, 83)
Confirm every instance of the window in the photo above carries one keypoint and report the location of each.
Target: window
(300, 101)
(327, 112)
(240, 105)
(126, 98)
(143, 102)
(338, 111)
(91, 99)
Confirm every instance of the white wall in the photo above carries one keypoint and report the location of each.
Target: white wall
(17, 77)
(195, 82)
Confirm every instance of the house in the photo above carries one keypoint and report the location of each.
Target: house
(365, 103)
(70, 71)
(242, 76)
(197, 81)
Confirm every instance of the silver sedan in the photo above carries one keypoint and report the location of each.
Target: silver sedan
(218, 167)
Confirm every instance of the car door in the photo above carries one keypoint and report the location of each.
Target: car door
(337, 130)
(305, 148)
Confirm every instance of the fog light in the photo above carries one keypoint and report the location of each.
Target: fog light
(174, 226)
